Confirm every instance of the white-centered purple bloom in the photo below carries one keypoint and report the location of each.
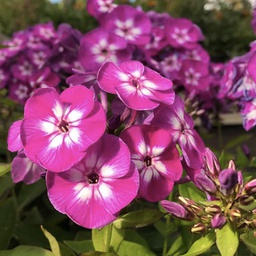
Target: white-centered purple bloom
(93, 191)
(99, 46)
(139, 87)
(157, 159)
(248, 113)
(57, 129)
(181, 126)
(129, 23)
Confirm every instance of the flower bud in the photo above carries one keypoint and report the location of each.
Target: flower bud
(205, 183)
(211, 163)
(174, 209)
(218, 221)
(213, 209)
(235, 214)
(198, 228)
(250, 187)
(246, 200)
(228, 179)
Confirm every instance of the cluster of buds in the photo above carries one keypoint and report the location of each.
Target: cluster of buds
(228, 198)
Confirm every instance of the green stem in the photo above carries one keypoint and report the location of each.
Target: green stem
(220, 135)
(166, 237)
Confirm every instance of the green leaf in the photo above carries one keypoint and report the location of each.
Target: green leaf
(8, 217)
(117, 236)
(201, 245)
(129, 248)
(53, 242)
(177, 248)
(80, 246)
(5, 183)
(165, 228)
(189, 190)
(25, 196)
(139, 218)
(101, 238)
(237, 141)
(4, 168)
(26, 251)
(132, 236)
(98, 254)
(227, 240)
(249, 240)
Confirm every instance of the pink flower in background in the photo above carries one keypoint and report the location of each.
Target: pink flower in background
(157, 159)
(93, 192)
(57, 129)
(194, 75)
(98, 8)
(23, 169)
(129, 23)
(139, 87)
(181, 32)
(99, 46)
(181, 126)
(13, 139)
(248, 113)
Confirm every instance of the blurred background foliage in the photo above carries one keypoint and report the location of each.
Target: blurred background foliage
(225, 23)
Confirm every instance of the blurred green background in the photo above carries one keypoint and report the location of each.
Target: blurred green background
(225, 23)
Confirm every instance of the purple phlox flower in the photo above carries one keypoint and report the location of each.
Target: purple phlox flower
(98, 8)
(248, 112)
(99, 46)
(139, 87)
(228, 179)
(197, 53)
(19, 91)
(57, 129)
(194, 75)
(23, 69)
(45, 31)
(182, 33)
(181, 126)
(158, 19)
(39, 58)
(157, 159)
(13, 138)
(4, 77)
(23, 169)
(129, 23)
(174, 209)
(218, 220)
(93, 191)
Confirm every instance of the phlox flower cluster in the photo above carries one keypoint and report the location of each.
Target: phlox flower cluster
(119, 132)
(229, 198)
(37, 57)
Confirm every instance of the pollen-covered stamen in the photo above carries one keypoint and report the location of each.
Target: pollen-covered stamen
(147, 160)
(93, 178)
(63, 126)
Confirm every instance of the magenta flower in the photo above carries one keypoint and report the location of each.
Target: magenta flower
(181, 126)
(157, 159)
(23, 169)
(129, 23)
(139, 87)
(99, 46)
(248, 113)
(57, 129)
(13, 139)
(93, 192)
(182, 33)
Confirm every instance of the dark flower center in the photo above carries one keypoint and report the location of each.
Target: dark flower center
(147, 160)
(93, 178)
(135, 83)
(64, 126)
(104, 51)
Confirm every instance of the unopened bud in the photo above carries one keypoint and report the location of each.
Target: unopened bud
(218, 221)
(246, 199)
(185, 201)
(235, 214)
(211, 162)
(198, 228)
(213, 209)
(174, 209)
(250, 187)
(228, 180)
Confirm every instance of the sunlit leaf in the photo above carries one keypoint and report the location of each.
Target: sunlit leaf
(98, 254)
(4, 168)
(201, 245)
(80, 246)
(101, 239)
(177, 247)
(53, 242)
(190, 191)
(129, 248)
(137, 219)
(227, 240)
(249, 240)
